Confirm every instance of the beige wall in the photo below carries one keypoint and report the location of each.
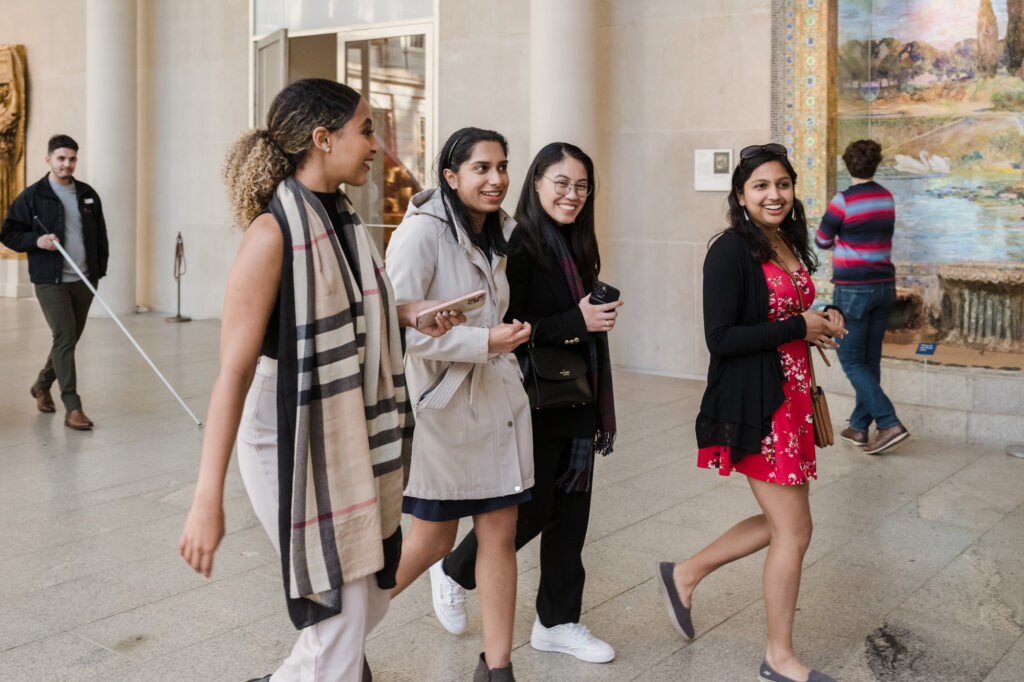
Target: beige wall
(681, 76)
(673, 77)
(53, 34)
(55, 63)
(483, 76)
(193, 58)
(193, 93)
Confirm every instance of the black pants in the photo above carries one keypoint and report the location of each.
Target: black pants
(66, 308)
(560, 518)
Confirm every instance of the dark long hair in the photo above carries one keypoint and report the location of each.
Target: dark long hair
(454, 153)
(793, 227)
(532, 219)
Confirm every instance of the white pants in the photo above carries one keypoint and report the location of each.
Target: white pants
(333, 648)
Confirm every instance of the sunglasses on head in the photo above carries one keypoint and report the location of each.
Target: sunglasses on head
(755, 149)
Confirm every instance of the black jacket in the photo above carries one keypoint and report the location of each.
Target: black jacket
(539, 294)
(20, 230)
(745, 375)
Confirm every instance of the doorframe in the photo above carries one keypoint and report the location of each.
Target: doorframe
(390, 29)
(427, 27)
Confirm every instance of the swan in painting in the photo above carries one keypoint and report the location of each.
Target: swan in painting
(929, 163)
(909, 164)
(939, 164)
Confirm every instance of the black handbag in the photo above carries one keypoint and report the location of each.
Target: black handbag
(554, 377)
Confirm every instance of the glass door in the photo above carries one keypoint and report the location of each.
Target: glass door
(392, 71)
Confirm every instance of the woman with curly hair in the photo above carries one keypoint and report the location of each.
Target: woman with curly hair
(310, 350)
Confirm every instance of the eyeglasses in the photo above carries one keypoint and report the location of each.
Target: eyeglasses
(583, 189)
(755, 149)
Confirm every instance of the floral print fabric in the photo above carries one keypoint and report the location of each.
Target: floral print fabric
(787, 453)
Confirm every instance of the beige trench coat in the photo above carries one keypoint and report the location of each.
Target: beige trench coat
(473, 435)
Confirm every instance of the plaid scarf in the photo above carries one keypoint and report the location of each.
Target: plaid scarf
(344, 422)
(581, 455)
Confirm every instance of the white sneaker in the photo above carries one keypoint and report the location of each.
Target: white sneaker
(449, 600)
(571, 638)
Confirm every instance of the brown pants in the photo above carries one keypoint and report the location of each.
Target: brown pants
(65, 307)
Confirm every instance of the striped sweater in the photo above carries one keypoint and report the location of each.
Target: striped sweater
(858, 224)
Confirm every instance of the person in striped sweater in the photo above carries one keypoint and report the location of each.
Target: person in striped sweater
(858, 225)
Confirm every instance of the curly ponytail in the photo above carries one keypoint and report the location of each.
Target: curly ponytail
(253, 167)
(261, 158)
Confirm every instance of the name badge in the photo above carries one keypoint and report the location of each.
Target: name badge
(88, 200)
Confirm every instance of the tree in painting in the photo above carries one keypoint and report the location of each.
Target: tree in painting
(988, 40)
(1014, 35)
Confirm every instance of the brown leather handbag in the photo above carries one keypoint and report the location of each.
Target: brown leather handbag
(822, 420)
(823, 436)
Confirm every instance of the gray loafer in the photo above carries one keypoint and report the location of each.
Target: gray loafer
(677, 613)
(768, 674)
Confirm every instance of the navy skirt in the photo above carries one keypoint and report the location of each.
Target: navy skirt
(449, 510)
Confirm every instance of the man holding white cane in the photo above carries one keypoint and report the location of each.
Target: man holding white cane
(60, 210)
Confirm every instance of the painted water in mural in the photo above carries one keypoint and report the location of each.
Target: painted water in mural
(938, 83)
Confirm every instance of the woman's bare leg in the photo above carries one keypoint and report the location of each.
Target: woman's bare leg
(788, 513)
(496, 582)
(426, 544)
(746, 537)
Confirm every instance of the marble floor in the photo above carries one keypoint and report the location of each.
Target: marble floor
(914, 572)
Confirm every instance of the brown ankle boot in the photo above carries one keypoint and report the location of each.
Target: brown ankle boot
(76, 419)
(485, 674)
(44, 401)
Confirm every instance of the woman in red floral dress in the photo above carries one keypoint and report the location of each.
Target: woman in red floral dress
(755, 417)
(787, 453)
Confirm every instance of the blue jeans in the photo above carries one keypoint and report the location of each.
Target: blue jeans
(866, 307)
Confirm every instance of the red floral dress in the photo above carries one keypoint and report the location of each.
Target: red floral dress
(787, 453)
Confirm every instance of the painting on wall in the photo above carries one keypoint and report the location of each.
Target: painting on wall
(940, 86)
(12, 129)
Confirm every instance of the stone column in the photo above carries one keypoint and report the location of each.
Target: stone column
(109, 150)
(563, 82)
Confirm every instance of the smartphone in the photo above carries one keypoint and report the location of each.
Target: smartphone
(603, 293)
(462, 304)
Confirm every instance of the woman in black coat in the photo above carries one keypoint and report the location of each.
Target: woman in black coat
(755, 417)
(552, 269)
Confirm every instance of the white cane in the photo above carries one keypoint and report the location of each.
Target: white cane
(87, 283)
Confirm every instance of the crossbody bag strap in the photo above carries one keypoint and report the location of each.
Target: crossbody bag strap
(810, 360)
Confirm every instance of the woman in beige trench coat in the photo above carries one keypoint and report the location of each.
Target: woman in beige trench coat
(472, 447)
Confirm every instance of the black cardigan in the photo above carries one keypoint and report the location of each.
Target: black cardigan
(20, 230)
(539, 294)
(745, 375)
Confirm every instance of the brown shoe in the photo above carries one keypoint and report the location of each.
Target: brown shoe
(854, 436)
(76, 419)
(44, 401)
(886, 439)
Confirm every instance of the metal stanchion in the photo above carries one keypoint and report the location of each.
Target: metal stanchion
(179, 270)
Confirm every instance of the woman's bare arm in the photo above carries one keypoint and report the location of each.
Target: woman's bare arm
(251, 294)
